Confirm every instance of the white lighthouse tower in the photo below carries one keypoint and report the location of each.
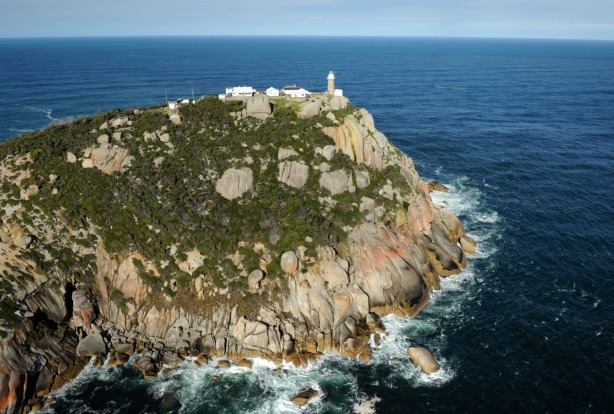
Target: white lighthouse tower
(331, 84)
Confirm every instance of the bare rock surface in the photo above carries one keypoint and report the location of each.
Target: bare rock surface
(103, 139)
(254, 279)
(424, 358)
(91, 345)
(285, 153)
(336, 182)
(309, 110)
(234, 183)
(435, 186)
(289, 262)
(259, 107)
(293, 173)
(110, 160)
(304, 397)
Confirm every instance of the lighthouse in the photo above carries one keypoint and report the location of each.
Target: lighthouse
(331, 84)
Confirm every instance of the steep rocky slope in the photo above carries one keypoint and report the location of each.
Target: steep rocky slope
(261, 229)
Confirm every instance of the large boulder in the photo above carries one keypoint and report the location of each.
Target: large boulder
(234, 183)
(435, 186)
(304, 397)
(254, 279)
(91, 345)
(309, 110)
(336, 182)
(284, 153)
(25, 241)
(148, 366)
(328, 152)
(362, 179)
(289, 262)
(468, 244)
(259, 107)
(338, 103)
(119, 122)
(424, 359)
(103, 139)
(292, 173)
(110, 160)
(245, 363)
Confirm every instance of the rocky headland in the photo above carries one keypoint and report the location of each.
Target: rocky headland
(278, 229)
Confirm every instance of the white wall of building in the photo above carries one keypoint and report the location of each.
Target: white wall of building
(297, 93)
(240, 91)
(272, 92)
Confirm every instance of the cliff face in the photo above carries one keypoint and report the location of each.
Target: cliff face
(208, 233)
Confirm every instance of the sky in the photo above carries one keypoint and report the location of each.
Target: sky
(556, 19)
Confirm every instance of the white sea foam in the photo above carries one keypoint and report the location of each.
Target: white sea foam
(47, 112)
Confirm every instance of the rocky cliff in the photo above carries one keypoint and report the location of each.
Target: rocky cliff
(277, 229)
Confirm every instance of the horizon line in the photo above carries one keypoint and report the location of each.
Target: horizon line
(300, 36)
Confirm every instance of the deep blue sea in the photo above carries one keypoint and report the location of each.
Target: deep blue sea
(522, 131)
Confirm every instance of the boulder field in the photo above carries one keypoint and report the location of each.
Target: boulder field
(328, 294)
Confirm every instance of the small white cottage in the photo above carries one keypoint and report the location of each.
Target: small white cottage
(241, 91)
(272, 91)
(296, 92)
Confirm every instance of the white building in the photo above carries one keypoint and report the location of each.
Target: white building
(296, 92)
(272, 91)
(241, 91)
(173, 105)
(338, 92)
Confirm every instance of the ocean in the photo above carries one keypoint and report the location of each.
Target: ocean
(521, 131)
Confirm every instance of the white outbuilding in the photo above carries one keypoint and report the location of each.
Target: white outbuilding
(296, 92)
(272, 91)
(338, 92)
(241, 91)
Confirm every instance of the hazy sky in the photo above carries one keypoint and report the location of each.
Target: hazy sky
(570, 19)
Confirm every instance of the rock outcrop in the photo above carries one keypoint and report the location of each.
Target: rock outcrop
(295, 291)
